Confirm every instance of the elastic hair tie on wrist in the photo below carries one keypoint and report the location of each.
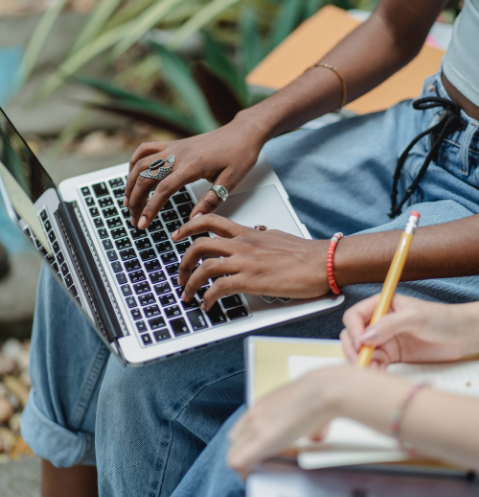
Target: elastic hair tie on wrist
(330, 262)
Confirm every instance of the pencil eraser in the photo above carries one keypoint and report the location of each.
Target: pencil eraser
(416, 213)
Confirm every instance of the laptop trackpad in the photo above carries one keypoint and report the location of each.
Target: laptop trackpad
(260, 206)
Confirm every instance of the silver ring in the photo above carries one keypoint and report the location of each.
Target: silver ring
(161, 171)
(220, 191)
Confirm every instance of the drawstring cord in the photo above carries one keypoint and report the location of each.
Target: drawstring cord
(450, 121)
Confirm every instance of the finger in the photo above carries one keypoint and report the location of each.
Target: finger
(348, 347)
(209, 202)
(134, 174)
(139, 197)
(357, 317)
(146, 149)
(211, 268)
(210, 222)
(201, 248)
(228, 285)
(388, 327)
(165, 189)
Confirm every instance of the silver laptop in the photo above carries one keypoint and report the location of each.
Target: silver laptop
(125, 279)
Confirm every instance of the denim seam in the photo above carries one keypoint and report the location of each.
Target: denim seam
(175, 418)
(92, 378)
(466, 139)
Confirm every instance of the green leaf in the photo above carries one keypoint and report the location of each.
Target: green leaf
(288, 17)
(145, 21)
(312, 6)
(205, 15)
(253, 51)
(222, 66)
(97, 20)
(176, 72)
(39, 37)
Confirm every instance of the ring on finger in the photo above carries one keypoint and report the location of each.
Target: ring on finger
(260, 227)
(221, 192)
(162, 172)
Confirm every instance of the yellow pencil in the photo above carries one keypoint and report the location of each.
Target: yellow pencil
(392, 279)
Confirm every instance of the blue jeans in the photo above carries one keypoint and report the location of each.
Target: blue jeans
(150, 424)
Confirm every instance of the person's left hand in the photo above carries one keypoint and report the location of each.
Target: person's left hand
(258, 262)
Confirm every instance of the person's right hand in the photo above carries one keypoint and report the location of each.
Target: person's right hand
(413, 331)
(223, 157)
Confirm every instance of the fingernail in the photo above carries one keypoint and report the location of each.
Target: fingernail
(174, 234)
(197, 215)
(132, 221)
(369, 335)
(203, 306)
(183, 296)
(143, 222)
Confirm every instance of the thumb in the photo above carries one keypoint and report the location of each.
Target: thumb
(387, 327)
(209, 202)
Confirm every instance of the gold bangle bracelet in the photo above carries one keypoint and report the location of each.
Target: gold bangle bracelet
(341, 79)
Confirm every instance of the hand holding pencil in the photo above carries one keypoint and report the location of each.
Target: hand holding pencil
(391, 282)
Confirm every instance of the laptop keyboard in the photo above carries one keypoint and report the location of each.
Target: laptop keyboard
(145, 265)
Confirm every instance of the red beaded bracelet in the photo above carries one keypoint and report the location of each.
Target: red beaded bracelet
(330, 262)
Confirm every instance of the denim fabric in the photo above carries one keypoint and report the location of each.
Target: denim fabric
(153, 422)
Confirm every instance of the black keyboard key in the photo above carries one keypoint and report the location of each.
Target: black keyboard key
(182, 247)
(50, 259)
(51, 236)
(132, 265)
(64, 269)
(159, 236)
(126, 290)
(155, 226)
(231, 301)
(163, 247)
(103, 233)
(183, 189)
(48, 225)
(127, 255)
(130, 302)
(90, 202)
(107, 245)
(136, 276)
(173, 269)
(116, 266)
(216, 315)
(43, 215)
(156, 323)
(181, 198)
(151, 311)
(114, 223)
(94, 212)
(85, 191)
(141, 326)
(168, 299)
(112, 255)
(105, 202)
(129, 225)
(146, 339)
(125, 212)
(161, 335)
(123, 243)
(56, 247)
(185, 209)
(172, 312)
(136, 233)
(68, 280)
(200, 235)
(110, 212)
(197, 320)
(119, 192)
(98, 222)
(237, 313)
(147, 255)
(168, 258)
(185, 220)
(193, 304)
(73, 290)
(136, 314)
(100, 189)
(169, 216)
(115, 183)
(142, 287)
(143, 244)
(55, 267)
(158, 276)
(173, 226)
(179, 327)
(118, 233)
(60, 258)
(168, 206)
(162, 288)
(121, 278)
(201, 292)
(147, 299)
(174, 280)
(152, 265)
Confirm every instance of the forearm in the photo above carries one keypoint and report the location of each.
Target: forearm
(440, 251)
(365, 58)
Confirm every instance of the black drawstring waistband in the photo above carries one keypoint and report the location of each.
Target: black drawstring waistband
(449, 122)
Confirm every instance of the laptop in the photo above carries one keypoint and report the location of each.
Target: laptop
(124, 279)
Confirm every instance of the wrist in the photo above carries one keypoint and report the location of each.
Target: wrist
(252, 123)
(466, 327)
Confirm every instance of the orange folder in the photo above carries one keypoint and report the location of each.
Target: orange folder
(319, 34)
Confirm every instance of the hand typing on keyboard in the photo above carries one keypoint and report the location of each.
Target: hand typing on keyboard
(257, 262)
